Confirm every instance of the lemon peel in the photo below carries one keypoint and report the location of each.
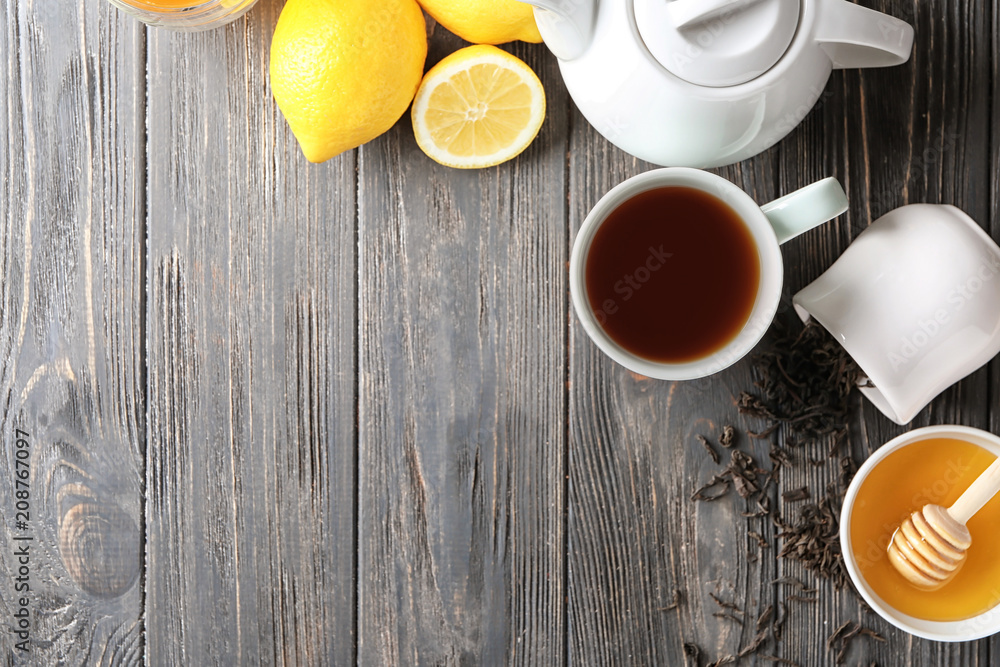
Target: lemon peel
(485, 21)
(343, 72)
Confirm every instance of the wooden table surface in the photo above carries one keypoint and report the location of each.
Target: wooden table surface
(281, 413)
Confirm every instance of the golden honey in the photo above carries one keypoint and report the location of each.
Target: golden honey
(933, 471)
(165, 4)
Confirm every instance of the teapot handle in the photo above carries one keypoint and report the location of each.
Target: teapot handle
(854, 36)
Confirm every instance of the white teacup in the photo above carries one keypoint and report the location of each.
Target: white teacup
(769, 225)
(915, 300)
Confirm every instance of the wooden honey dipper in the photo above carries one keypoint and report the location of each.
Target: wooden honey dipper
(932, 543)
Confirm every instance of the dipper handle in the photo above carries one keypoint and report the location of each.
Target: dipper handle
(985, 487)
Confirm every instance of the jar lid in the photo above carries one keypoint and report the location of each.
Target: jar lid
(717, 43)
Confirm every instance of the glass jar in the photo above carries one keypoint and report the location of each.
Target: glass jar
(189, 15)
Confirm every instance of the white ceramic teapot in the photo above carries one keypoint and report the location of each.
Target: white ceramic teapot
(703, 83)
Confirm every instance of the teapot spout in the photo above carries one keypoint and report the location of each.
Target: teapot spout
(567, 26)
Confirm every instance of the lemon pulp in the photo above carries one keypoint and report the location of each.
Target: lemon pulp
(478, 107)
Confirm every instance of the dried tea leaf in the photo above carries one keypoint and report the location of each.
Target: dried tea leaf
(744, 487)
(814, 541)
(724, 604)
(763, 507)
(743, 471)
(795, 583)
(765, 618)
(675, 602)
(728, 437)
(805, 381)
(868, 632)
(845, 635)
(779, 622)
(780, 457)
(848, 467)
(837, 633)
(755, 645)
(796, 495)
(717, 488)
(727, 615)
(708, 448)
(741, 461)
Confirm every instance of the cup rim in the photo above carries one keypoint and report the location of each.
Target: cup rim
(768, 291)
(969, 629)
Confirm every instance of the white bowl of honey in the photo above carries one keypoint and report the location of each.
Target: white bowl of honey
(927, 465)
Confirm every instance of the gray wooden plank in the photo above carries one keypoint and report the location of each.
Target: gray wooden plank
(71, 336)
(462, 301)
(993, 225)
(896, 136)
(634, 461)
(251, 314)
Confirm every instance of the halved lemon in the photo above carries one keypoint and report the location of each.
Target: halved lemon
(478, 107)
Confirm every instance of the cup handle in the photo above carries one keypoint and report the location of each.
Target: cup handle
(854, 36)
(806, 208)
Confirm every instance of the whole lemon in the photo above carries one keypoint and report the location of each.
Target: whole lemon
(344, 71)
(485, 21)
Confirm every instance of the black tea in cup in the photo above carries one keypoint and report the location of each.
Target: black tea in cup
(672, 274)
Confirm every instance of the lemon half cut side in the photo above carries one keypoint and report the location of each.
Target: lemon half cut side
(478, 107)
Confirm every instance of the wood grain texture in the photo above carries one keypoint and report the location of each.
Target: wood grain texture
(71, 348)
(993, 222)
(921, 142)
(251, 312)
(634, 537)
(634, 461)
(463, 306)
(377, 434)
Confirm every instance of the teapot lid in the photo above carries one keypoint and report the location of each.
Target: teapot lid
(717, 43)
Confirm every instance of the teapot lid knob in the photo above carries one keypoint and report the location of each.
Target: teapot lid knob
(717, 43)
